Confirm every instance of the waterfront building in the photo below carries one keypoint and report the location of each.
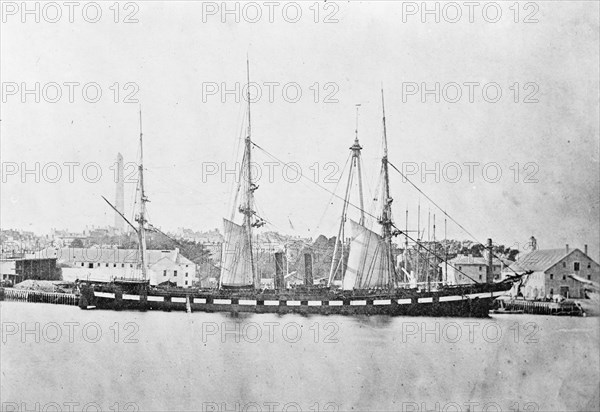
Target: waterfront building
(18, 269)
(468, 269)
(105, 264)
(551, 272)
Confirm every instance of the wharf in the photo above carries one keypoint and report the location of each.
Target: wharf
(564, 308)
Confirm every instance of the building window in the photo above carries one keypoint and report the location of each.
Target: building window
(187, 266)
(122, 265)
(107, 265)
(98, 264)
(479, 277)
(564, 264)
(175, 273)
(164, 273)
(551, 276)
(90, 265)
(82, 264)
(186, 282)
(551, 291)
(186, 274)
(460, 268)
(589, 277)
(576, 266)
(589, 265)
(564, 277)
(480, 270)
(114, 265)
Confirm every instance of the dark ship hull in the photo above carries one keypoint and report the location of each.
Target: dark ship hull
(457, 301)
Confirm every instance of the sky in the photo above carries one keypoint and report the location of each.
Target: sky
(499, 103)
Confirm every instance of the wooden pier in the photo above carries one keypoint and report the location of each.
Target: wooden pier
(565, 308)
(36, 296)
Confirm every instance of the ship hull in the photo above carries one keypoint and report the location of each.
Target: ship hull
(452, 302)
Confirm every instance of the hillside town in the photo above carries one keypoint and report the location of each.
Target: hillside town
(186, 258)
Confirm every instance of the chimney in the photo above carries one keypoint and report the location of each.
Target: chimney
(490, 268)
(533, 243)
(279, 280)
(585, 249)
(308, 277)
(567, 248)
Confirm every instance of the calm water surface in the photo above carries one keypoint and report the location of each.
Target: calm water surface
(62, 357)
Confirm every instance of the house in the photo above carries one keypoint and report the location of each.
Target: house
(105, 264)
(551, 272)
(467, 269)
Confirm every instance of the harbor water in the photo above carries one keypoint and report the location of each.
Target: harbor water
(56, 357)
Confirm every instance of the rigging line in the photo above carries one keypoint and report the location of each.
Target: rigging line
(334, 190)
(433, 253)
(444, 212)
(356, 207)
(431, 200)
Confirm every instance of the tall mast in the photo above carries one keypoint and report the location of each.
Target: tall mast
(356, 148)
(386, 220)
(445, 278)
(406, 245)
(247, 210)
(418, 272)
(142, 217)
(355, 163)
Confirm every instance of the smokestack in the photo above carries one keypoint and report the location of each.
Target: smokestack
(490, 271)
(120, 194)
(279, 281)
(308, 277)
(567, 248)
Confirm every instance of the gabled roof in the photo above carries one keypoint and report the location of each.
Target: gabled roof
(539, 260)
(471, 260)
(111, 255)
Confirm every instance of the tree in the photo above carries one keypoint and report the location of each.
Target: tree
(77, 243)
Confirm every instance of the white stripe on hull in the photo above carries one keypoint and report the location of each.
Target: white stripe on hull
(177, 299)
(479, 295)
(336, 303)
(131, 297)
(271, 303)
(382, 302)
(156, 299)
(199, 300)
(247, 302)
(314, 303)
(404, 301)
(104, 295)
(222, 301)
(425, 300)
(293, 303)
(450, 298)
(358, 302)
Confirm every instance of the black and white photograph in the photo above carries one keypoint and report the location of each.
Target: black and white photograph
(325, 206)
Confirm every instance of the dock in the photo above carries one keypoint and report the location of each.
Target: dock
(36, 296)
(514, 306)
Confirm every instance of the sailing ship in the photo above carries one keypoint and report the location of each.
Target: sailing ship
(370, 282)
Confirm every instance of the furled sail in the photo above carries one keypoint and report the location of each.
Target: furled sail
(368, 266)
(236, 269)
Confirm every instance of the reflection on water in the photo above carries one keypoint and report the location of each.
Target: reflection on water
(214, 362)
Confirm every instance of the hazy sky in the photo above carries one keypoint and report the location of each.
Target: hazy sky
(541, 133)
